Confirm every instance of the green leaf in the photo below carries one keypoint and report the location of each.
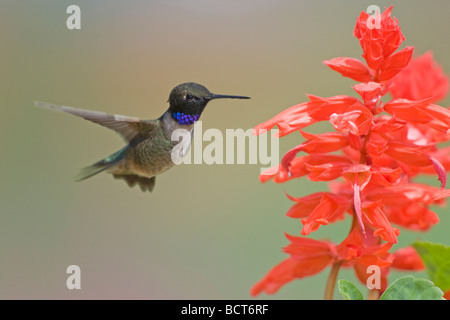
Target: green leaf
(349, 290)
(436, 257)
(410, 288)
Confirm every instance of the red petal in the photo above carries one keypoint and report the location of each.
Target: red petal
(373, 53)
(321, 109)
(289, 120)
(328, 210)
(308, 257)
(276, 278)
(441, 194)
(409, 154)
(395, 63)
(351, 68)
(413, 216)
(375, 217)
(304, 205)
(321, 143)
(325, 142)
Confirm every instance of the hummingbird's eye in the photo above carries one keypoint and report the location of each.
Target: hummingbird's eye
(189, 98)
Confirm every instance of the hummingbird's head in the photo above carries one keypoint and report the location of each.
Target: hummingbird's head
(191, 98)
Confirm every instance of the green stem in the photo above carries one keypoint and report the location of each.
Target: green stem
(374, 294)
(331, 281)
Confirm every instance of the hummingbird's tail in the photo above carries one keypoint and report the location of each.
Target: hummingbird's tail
(101, 165)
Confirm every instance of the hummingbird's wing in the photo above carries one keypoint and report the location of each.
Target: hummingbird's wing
(127, 127)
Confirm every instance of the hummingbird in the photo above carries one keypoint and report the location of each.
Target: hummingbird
(149, 142)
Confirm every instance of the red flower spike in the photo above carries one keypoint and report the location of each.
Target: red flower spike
(379, 156)
(421, 79)
(351, 68)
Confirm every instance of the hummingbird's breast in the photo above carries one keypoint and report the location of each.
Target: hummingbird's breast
(153, 155)
(150, 157)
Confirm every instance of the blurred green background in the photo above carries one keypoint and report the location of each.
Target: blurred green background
(207, 231)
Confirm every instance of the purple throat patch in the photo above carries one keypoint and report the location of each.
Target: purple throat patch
(184, 118)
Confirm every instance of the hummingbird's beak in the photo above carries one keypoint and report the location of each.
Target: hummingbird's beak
(222, 96)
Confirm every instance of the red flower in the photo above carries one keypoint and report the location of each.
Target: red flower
(422, 79)
(393, 64)
(358, 176)
(308, 257)
(374, 156)
(407, 259)
(318, 209)
(374, 215)
(351, 68)
(284, 272)
(325, 142)
(291, 119)
(302, 115)
(370, 92)
(361, 252)
(318, 167)
(357, 120)
(406, 204)
(420, 112)
(379, 37)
